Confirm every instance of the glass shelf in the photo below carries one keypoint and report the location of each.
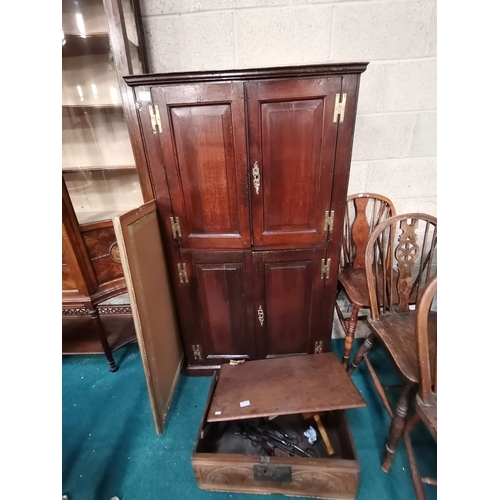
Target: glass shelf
(98, 163)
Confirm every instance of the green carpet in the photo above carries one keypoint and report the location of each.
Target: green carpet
(110, 447)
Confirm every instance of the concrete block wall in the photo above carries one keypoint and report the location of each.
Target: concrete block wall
(394, 150)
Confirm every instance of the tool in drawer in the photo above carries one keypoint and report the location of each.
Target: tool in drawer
(322, 430)
(261, 431)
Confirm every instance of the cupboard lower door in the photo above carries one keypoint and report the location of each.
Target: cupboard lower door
(288, 299)
(222, 303)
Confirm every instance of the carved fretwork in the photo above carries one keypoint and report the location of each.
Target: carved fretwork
(407, 253)
(114, 310)
(75, 312)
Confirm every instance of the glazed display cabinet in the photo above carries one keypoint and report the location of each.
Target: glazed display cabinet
(101, 42)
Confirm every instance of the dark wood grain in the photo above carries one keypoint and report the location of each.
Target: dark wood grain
(76, 45)
(201, 174)
(289, 122)
(78, 278)
(222, 290)
(204, 154)
(344, 135)
(288, 288)
(312, 71)
(99, 242)
(403, 346)
(271, 387)
(79, 336)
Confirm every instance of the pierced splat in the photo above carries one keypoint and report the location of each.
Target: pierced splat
(400, 282)
(407, 253)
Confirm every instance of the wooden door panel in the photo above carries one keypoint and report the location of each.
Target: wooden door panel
(291, 142)
(206, 168)
(204, 151)
(222, 287)
(141, 251)
(288, 296)
(288, 290)
(290, 146)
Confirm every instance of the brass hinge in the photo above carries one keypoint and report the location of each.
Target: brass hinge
(339, 108)
(328, 220)
(196, 351)
(183, 276)
(325, 268)
(318, 347)
(176, 227)
(155, 118)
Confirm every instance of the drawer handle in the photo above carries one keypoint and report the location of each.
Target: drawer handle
(260, 314)
(256, 177)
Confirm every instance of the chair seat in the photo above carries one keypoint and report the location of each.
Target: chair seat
(428, 414)
(397, 333)
(353, 280)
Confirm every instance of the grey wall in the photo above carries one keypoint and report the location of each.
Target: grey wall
(395, 140)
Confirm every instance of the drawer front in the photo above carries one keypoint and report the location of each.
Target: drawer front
(332, 479)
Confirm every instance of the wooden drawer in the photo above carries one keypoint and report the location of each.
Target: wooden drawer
(244, 470)
(223, 460)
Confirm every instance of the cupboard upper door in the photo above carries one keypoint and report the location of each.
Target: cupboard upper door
(204, 151)
(292, 147)
(288, 292)
(222, 296)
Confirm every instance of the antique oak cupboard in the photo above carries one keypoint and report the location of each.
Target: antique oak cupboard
(249, 171)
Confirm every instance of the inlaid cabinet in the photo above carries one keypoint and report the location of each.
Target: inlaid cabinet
(249, 170)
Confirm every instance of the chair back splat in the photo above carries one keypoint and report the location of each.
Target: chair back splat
(364, 211)
(406, 243)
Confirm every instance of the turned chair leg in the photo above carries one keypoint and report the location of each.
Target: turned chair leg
(349, 336)
(397, 427)
(94, 314)
(362, 352)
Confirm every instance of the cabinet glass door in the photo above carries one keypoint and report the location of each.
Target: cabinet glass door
(97, 159)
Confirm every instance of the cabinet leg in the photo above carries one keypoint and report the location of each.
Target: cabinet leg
(397, 427)
(94, 314)
(349, 336)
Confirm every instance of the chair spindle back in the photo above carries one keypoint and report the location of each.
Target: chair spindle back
(407, 244)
